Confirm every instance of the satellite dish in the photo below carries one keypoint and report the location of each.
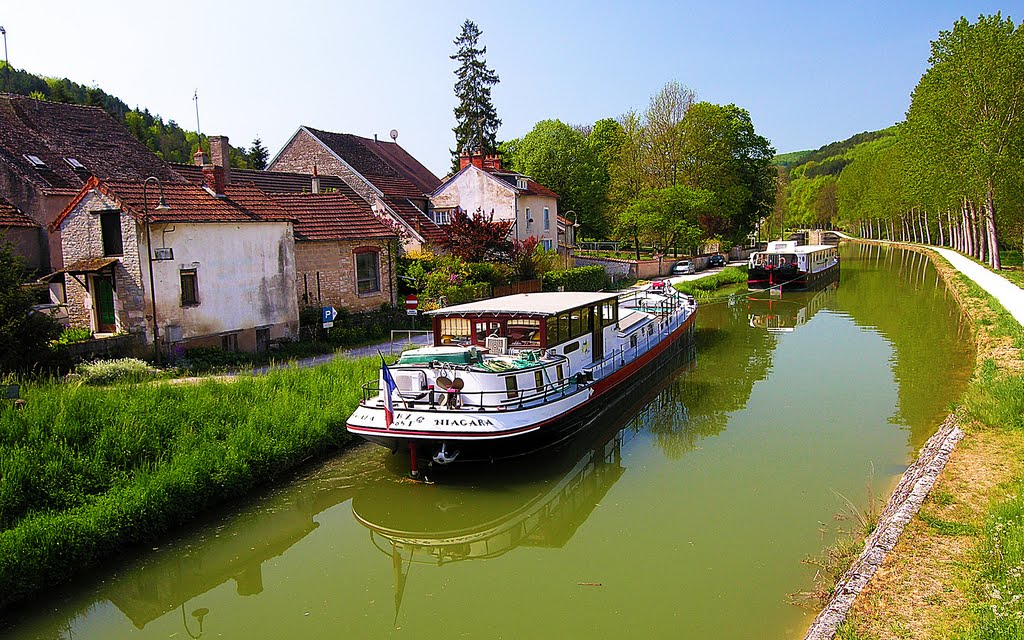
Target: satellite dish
(394, 135)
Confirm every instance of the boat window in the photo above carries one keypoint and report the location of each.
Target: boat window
(511, 387)
(563, 327)
(485, 328)
(553, 336)
(538, 379)
(455, 330)
(523, 332)
(558, 370)
(569, 348)
(585, 326)
(576, 328)
(610, 312)
(632, 341)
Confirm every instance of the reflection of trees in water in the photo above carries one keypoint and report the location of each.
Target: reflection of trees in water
(731, 358)
(899, 293)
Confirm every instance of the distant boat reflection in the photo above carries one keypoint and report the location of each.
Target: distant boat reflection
(784, 313)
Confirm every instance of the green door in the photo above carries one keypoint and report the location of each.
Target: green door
(106, 321)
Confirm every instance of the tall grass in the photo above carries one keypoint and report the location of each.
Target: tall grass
(87, 470)
(995, 570)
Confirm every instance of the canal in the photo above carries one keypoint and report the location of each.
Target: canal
(686, 513)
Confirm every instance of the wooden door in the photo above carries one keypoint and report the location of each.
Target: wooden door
(106, 320)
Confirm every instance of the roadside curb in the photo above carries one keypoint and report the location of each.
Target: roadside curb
(904, 503)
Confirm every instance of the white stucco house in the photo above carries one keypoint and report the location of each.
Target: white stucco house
(222, 258)
(481, 184)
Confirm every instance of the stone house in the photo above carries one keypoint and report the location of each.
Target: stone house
(481, 184)
(344, 252)
(222, 263)
(344, 255)
(383, 174)
(48, 151)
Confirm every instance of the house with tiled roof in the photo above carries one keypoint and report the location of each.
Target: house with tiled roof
(344, 255)
(21, 231)
(482, 185)
(385, 175)
(49, 150)
(344, 252)
(183, 264)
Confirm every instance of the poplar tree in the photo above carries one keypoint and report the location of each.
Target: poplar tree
(476, 119)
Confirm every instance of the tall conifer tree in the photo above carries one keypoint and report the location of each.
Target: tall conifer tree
(476, 119)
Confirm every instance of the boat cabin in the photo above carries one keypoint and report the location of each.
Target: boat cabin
(806, 258)
(526, 321)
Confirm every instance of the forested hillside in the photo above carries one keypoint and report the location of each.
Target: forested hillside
(951, 174)
(166, 139)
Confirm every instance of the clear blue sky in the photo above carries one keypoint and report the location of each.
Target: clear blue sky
(809, 73)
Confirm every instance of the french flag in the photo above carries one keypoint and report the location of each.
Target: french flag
(389, 388)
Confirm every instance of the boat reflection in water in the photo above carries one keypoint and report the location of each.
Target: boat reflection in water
(783, 314)
(541, 506)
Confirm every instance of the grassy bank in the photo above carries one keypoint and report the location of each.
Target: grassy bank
(958, 569)
(708, 286)
(87, 470)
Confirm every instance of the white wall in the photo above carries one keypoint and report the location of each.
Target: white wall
(245, 275)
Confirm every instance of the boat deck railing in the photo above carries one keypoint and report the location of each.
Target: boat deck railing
(622, 356)
(463, 400)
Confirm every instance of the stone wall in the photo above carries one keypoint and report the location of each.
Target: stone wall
(335, 263)
(303, 151)
(81, 238)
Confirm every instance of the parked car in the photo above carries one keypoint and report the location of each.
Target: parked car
(683, 267)
(717, 260)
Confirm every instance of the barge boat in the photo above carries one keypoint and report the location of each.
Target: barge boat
(791, 267)
(509, 376)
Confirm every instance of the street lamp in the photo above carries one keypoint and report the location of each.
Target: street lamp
(161, 206)
(7, 64)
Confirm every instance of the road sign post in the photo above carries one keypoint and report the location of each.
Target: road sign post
(327, 316)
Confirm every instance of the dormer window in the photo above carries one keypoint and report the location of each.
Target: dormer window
(35, 161)
(521, 182)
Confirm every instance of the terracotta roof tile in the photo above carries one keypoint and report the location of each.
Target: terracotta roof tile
(12, 216)
(418, 220)
(187, 202)
(332, 216)
(378, 158)
(272, 181)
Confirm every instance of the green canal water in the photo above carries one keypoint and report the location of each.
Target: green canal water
(686, 513)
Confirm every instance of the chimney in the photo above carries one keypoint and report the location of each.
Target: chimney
(477, 159)
(213, 179)
(198, 158)
(463, 160)
(492, 162)
(316, 180)
(220, 155)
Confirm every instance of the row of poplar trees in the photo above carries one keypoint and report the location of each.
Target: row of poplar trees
(953, 173)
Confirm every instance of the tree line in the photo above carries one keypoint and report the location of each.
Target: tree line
(166, 139)
(675, 175)
(952, 173)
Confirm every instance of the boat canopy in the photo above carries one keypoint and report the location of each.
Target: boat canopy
(526, 304)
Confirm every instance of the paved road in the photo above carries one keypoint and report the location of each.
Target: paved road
(1007, 293)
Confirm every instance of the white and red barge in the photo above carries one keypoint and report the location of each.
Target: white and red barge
(512, 375)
